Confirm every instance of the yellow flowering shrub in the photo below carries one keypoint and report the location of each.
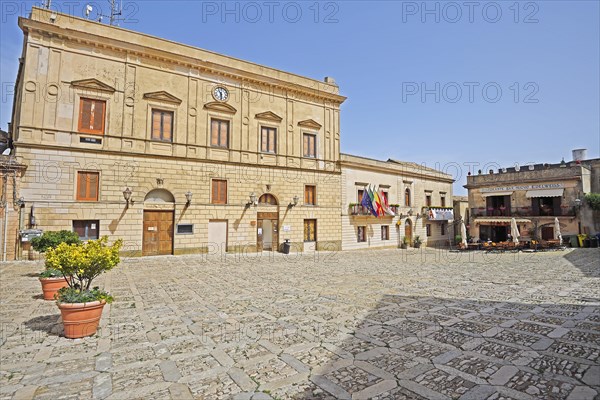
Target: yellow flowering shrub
(84, 262)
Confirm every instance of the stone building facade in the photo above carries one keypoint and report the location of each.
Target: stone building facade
(172, 148)
(11, 206)
(534, 195)
(412, 190)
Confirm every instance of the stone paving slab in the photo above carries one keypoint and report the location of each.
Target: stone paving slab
(390, 324)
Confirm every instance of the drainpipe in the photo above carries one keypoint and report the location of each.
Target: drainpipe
(5, 230)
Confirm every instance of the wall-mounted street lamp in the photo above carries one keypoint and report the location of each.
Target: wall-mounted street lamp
(127, 196)
(578, 203)
(188, 198)
(253, 201)
(294, 202)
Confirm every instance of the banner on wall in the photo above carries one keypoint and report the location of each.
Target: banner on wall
(440, 214)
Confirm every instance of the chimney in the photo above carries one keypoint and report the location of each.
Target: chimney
(330, 80)
(579, 154)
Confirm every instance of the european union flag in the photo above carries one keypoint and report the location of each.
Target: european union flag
(366, 202)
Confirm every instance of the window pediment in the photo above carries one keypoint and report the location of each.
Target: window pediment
(310, 123)
(162, 96)
(221, 107)
(269, 116)
(93, 84)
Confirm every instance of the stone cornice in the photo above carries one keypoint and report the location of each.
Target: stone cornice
(310, 123)
(400, 173)
(268, 116)
(162, 96)
(220, 107)
(93, 84)
(130, 42)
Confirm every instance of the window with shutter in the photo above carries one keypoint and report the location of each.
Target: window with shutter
(219, 191)
(310, 230)
(310, 145)
(407, 197)
(87, 186)
(310, 197)
(268, 140)
(162, 125)
(219, 133)
(92, 116)
(385, 232)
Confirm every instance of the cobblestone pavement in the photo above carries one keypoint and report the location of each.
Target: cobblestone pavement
(390, 324)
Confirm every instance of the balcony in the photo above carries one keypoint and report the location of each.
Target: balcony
(357, 209)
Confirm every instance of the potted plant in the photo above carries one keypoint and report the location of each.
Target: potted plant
(81, 304)
(405, 242)
(52, 280)
(417, 242)
(457, 239)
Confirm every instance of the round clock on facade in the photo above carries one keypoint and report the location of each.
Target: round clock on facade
(220, 93)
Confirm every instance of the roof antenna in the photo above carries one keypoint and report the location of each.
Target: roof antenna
(47, 4)
(116, 10)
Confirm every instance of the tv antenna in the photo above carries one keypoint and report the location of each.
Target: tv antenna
(47, 4)
(116, 10)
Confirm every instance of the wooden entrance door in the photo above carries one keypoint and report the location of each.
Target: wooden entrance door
(158, 233)
(547, 232)
(408, 230)
(267, 240)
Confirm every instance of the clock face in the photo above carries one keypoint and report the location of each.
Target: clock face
(220, 93)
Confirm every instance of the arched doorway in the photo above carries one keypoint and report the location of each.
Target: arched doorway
(267, 223)
(159, 221)
(408, 230)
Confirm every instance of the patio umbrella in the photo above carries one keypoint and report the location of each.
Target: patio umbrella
(463, 233)
(514, 230)
(557, 234)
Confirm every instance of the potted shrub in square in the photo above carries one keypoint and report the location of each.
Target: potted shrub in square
(81, 304)
(52, 280)
(417, 242)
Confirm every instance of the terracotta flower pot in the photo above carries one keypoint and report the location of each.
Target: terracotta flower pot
(81, 319)
(52, 285)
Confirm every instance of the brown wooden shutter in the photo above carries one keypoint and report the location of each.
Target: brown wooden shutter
(167, 133)
(224, 133)
(214, 132)
(224, 192)
(156, 124)
(81, 186)
(264, 139)
(85, 115)
(98, 116)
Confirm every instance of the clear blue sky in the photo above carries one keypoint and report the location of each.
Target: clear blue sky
(384, 54)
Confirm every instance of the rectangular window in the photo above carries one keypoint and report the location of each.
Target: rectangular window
(219, 133)
(443, 229)
(443, 201)
(91, 116)
(87, 230)
(361, 233)
(386, 197)
(385, 232)
(219, 191)
(310, 145)
(185, 229)
(310, 230)
(428, 229)
(87, 186)
(162, 125)
(268, 140)
(310, 195)
(428, 200)
(360, 195)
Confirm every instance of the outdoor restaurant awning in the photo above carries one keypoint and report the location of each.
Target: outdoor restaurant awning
(487, 194)
(505, 220)
(545, 193)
